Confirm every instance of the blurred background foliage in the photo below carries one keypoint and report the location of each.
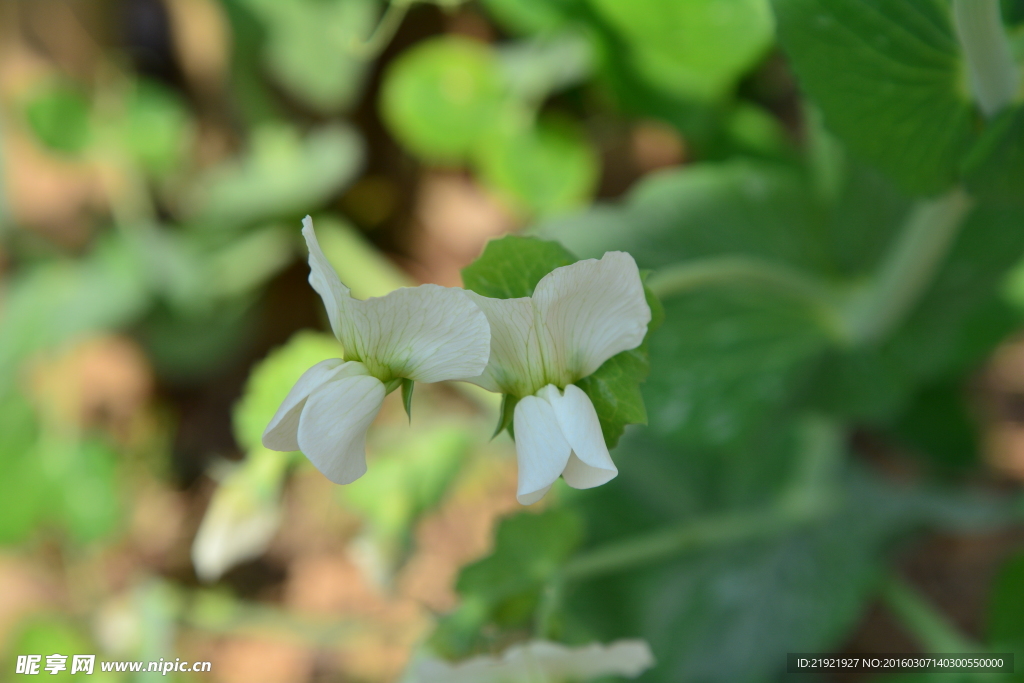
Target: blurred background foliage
(831, 462)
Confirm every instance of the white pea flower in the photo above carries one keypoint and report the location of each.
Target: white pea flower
(539, 661)
(579, 316)
(425, 334)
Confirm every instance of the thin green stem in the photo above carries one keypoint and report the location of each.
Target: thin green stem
(909, 267)
(385, 30)
(689, 276)
(923, 621)
(979, 27)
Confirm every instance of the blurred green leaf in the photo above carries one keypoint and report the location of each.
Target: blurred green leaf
(900, 100)
(526, 17)
(59, 115)
(738, 207)
(46, 635)
(406, 481)
(156, 128)
(543, 169)
(22, 488)
(58, 300)
(1005, 618)
(726, 358)
(995, 167)
(696, 49)
(271, 380)
(441, 96)
(311, 47)
(536, 68)
(503, 588)
(90, 502)
(360, 264)
(282, 175)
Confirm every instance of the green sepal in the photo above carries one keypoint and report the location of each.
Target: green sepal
(407, 386)
(508, 409)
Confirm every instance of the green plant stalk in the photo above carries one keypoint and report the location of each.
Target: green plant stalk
(692, 275)
(993, 72)
(923, 621)
(909, 267)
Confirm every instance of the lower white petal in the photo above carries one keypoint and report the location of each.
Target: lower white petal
(333, 424)
(541, 450)
(590, 464)
(281, 433)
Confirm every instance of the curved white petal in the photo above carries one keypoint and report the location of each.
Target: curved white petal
(515, 365)
(281, 433)
(590, 464)
(333, 424)
(590, 311)
(325, 280)
(539, 660)
(427, 334)
(541, 450)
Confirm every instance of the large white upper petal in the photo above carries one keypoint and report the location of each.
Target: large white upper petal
(333, 424)
(281, 433)
(325, 280)
(590, 464)
(590, 311)
(515, 365)
(539, 660)
(427, 334)
(541, 450)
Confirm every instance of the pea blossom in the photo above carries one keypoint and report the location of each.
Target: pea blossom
(539, 661)
(425, 334)
(579, 316)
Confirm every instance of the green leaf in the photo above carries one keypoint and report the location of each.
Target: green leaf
(995, 167)
(696, 49)
(441, 96)
(512, 266)
(526, 17)
(23, 499)
(90, 505)
(1005, 619)
(542, 169)
(405, 481)
(271, 380)
(311, 48)
(59, 115)
(503, 588)
(506, 415)
(156, 128)
(726, 359)
(710, 209)
(900, 99)
(280, 175)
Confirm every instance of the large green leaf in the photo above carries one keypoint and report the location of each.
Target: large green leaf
(441, 96)
(542, 169)
(311, 47)
(725, 359)
(697, 49)
(503, 589)
(58, 113)
(889, 79)
(712, 209)
(281, 175)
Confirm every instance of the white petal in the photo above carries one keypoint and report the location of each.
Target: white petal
(333, 424)
(238, 526)
(590, 464)
(427, 333)
(541, 450)
(539, 661)
(280, 434)
(515, 365)
(591, 310)
(325, 280)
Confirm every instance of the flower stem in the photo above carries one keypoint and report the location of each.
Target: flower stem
(923, 621)
(909, 267)
(993, 71)
(692, 275)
